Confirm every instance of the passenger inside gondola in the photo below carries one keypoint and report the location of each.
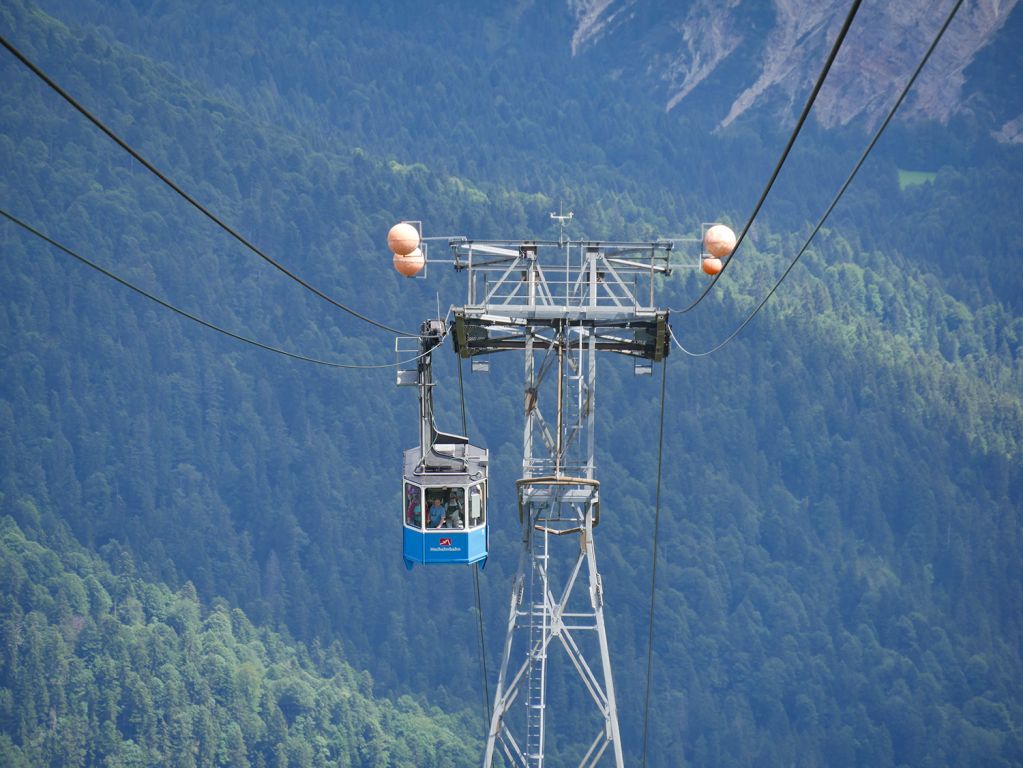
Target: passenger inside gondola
(438, 513)
(413, 505)
(454, 508)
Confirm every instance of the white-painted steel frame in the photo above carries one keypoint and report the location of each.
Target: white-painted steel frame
(512, 279)
(590, 294)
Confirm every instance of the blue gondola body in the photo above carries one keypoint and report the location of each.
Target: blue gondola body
(445, 547)
(453, 482)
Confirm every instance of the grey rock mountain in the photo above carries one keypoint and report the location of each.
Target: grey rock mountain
(766, 54)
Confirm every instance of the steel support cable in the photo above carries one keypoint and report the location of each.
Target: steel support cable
(785, 153)
(187, 197)
(838, 195)
(483, 650)
(167, 305)
(476, 586)
(461, 397)
(653, 574)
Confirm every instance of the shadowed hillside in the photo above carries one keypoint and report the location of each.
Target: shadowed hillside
(840, 572)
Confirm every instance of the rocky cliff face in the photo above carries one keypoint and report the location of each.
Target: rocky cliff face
(773, 52)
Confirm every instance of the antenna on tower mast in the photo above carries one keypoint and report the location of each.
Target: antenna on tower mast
(561, 218)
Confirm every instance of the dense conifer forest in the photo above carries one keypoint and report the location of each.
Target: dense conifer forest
(200, 541)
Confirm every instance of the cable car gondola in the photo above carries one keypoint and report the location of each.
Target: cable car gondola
(444, 481)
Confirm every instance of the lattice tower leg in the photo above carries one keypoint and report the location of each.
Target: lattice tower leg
(555, 505)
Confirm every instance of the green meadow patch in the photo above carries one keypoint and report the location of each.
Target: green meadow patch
(914, 178)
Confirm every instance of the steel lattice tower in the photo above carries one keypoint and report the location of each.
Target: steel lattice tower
(561, 303)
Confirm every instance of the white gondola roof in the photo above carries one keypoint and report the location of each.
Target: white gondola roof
(447, 465)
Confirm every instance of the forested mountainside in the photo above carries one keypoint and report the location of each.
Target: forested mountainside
(840, 578)
(102, 668)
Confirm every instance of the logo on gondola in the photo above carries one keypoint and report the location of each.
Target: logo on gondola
(445, 542)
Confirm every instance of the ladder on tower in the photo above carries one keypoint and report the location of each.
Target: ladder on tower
(536, 674)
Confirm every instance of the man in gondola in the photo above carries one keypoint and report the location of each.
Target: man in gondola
(438, 514)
